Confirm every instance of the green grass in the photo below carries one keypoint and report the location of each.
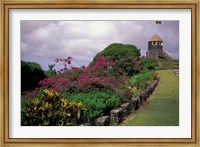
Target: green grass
(163, 107)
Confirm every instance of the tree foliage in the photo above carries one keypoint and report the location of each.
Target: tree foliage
(117, 51)
(150, 64)
(123, 55)
(31, 74)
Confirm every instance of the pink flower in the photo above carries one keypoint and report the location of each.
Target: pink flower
(75, 68)
(112, 63)
(139, 68)
(142, 57)
(57, 60)
(121, 59)
(101, 59)
(69, 58)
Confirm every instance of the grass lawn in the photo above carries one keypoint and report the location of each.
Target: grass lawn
(163, 106)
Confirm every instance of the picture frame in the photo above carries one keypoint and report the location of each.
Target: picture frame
(111, 4)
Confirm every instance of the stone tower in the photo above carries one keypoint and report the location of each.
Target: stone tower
(155, 48)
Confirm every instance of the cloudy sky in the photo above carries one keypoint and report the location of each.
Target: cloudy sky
(43, 41)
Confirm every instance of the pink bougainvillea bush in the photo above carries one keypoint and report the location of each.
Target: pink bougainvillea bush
(84, 79)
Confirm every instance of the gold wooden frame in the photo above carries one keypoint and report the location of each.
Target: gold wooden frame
(170, 4)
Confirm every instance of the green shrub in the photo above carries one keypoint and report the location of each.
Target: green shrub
(31, 74)
(51, 72)
(97, 103)
(138, 82)
(167, 64)
(51, 109)
(117, 51)
(149, 64)
(120, 53)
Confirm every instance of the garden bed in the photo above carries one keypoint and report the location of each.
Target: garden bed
(118, 114)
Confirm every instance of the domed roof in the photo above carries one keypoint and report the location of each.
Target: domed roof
(155, 37)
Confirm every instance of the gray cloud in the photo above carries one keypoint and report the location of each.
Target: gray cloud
(43, 41)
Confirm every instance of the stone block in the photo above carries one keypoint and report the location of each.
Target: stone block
(155, 84)
(102, 121)
(144, 94)
(87, 124)
(147, 92)
(136, 102)
(116, 116)
(126, 108)
(141, 99)
(133, 103)
(157, 78)
(151, 88)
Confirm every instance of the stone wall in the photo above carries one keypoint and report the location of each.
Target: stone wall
(118, 114)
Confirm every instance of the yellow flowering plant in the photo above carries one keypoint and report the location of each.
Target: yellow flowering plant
(51, 109)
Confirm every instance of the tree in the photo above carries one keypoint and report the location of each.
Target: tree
(123, 55)
(31, 74)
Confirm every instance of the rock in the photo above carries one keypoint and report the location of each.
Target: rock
(139, 102)
(102, 121)
(144, 94)
(126, 109)
(151, 88)
(124, 112)
(136, 102)
(141, 99)
(133, 102)
(116, 116)
(126, 106)
(137, 105)
(155, 83)
(86, 124)
(148, 88)
(157, 78)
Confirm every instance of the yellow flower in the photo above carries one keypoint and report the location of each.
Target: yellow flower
(132, 89)
(35, 102)
(79, 105)
(57, 94)
(35, 108)
(64, 102)
(46, 105)
(48, 92)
